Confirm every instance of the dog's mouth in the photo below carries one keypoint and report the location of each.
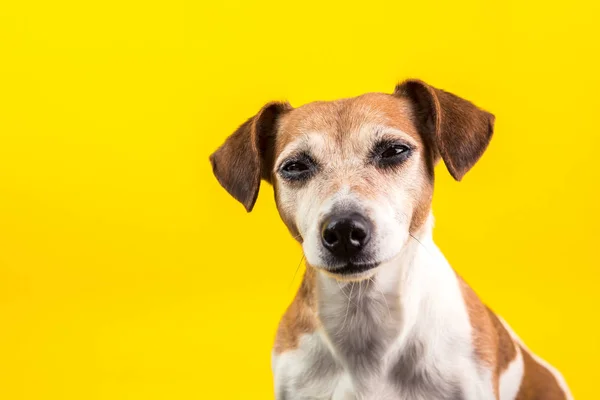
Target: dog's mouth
(352, 270)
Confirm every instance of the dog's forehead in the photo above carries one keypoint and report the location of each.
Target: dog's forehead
(336, 120)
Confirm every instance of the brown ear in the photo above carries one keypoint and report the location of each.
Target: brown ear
(247, 155)
(460, 130)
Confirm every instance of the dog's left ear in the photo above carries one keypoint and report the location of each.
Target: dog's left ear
(247, 155)
(459, 130)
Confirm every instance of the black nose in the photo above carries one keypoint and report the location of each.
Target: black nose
(345, 235)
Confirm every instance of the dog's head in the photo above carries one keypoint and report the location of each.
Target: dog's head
(353, 178)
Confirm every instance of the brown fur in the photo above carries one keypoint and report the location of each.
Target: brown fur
(538, 383)
(339, 118)
(492, 344)
(300, 316)
(461, 131)
(247, 155)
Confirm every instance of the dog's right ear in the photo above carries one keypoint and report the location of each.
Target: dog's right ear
(247, 155)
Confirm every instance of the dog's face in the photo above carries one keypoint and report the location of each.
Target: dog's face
(353, 178)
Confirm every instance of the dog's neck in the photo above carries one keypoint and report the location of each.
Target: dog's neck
(369, 324)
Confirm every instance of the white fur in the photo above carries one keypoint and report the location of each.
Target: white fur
(290, 371)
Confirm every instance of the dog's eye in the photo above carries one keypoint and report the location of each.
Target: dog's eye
(394, 150)
(297, 169)
(388, 154)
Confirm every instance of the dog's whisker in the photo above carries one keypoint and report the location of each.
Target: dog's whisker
(299, 236)
(342, 290)
(418, 241)
(357, 302)
(347, 310)
(296, 273)
(382, 295)
(359, 286)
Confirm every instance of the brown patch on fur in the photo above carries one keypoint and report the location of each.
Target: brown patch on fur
(422, 205)
(247, 155)
(507, 350)
(300, 316)
(538, 383)
(340, 118)
(492, 344)
(460, 130)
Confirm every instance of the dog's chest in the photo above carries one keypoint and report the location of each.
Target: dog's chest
(313, 372)
(362, 323)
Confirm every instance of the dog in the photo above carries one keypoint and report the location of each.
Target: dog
(380, 314)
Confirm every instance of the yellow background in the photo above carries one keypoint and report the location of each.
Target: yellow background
(126, 272)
